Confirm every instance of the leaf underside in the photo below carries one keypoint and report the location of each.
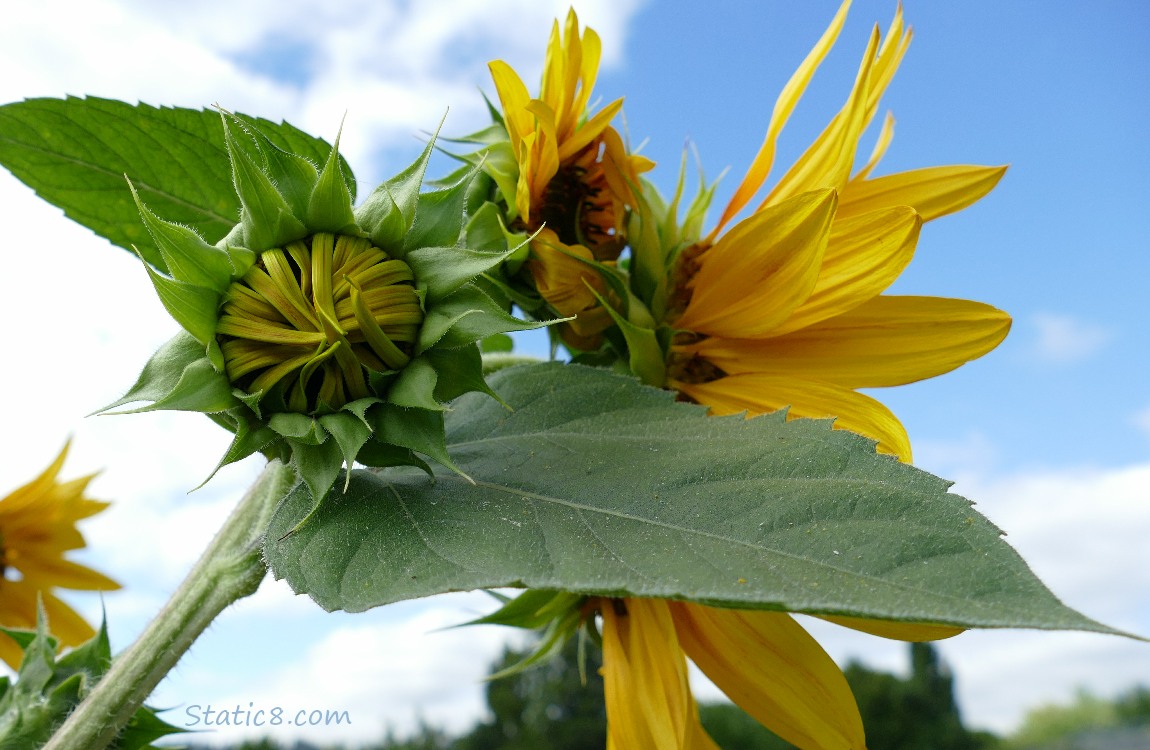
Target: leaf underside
(596, 484)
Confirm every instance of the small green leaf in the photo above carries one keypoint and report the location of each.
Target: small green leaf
(465, 317)
(350, 433)
(459, 371)
(299, 427)
(597, 485)
(294, 176)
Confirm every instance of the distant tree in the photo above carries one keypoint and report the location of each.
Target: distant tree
(548, 707)
(1054, 725)
(426, 737)
(1132, 708)
(733, 729)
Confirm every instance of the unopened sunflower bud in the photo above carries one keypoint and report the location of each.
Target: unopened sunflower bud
(318, 333)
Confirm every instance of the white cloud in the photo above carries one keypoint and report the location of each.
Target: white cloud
(1064, 339)
(395, 68)
(388, 670)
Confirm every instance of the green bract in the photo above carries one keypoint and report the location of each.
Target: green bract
(319, 333)
(48, 688)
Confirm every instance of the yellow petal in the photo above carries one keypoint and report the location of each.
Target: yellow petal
(31, 493)
(784, 105)
(649, 702)
(881, 145)
(758, 393)
(562, 274)
(827, 163)
(913, 632)
(761, 270)
(51, 571)
(10, 652)
(933, 192)
(864, 256)
(890, 55)
(589, 131)
(887, 341)
(513, 97)
(771, 667)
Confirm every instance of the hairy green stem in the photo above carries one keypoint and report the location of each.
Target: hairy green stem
(495, 361)
(231, 568)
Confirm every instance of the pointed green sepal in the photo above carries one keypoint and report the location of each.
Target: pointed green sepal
(459, 371)
(439, 216)
(418, 429)
(317, 465)
(532, 609)
(443, 270)
(646, 357)
(47, 690)
(266, 218)
(329, 207)
(199, 388)
(294, 176)
(415, 386)
(389, 211)
(300, 428)
(465, 317)
(162, 372)
(247, 441)
(193, 307)
(188, 258)
(350, 432)
(380, 455)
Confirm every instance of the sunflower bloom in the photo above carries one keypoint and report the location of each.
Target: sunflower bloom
(37, 528)
(785, 309)
(575, 174)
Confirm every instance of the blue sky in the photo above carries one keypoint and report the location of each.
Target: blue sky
(1050, 433)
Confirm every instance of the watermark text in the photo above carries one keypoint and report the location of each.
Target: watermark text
(257, 716)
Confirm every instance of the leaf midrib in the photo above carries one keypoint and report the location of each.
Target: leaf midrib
(707, 535)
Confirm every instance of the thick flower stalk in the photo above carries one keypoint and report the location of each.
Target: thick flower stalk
(568, 178)
(321, 334)
(37, 530)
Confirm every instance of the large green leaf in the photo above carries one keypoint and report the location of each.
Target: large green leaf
(76, 152)
(598, 485)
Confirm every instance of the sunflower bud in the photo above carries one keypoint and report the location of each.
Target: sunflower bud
(318, 333)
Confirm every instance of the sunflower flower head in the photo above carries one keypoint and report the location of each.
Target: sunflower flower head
(321, 333)
(37, 529)
(565, 170)
(785, 308)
